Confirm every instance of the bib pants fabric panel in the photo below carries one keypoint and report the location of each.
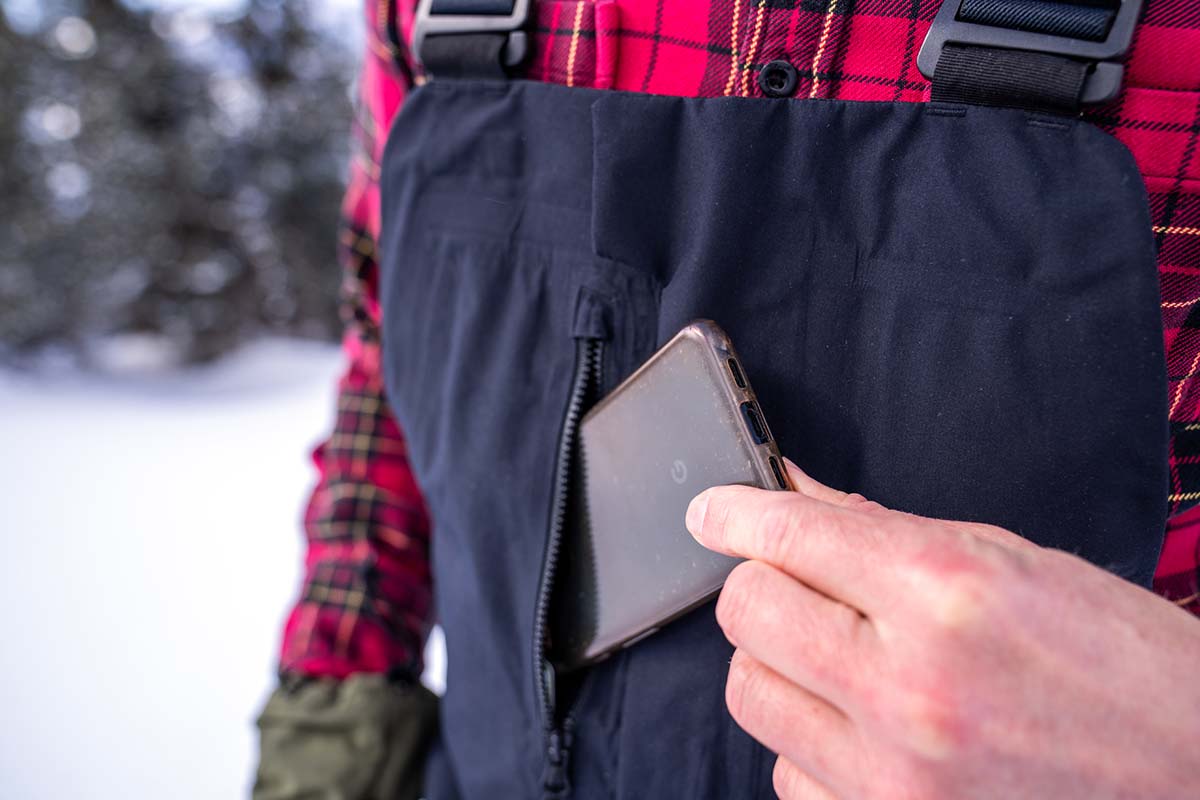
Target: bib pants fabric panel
(919, 293)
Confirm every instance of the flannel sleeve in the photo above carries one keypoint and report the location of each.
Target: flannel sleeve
(1178, 577)
(364, 605)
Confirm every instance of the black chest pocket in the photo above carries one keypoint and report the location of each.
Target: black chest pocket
(955, 315)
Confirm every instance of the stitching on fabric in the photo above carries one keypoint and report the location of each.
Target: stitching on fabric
(753, 52)
(1176, 480)
(734, 59)
(1181, 304)
(945, 111)
(574, 45)
(825, 27)
(1179, 384)
(1038, 122)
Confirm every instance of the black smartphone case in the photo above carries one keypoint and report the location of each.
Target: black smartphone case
(686, 420)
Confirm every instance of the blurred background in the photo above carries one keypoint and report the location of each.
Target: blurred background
(170, 175)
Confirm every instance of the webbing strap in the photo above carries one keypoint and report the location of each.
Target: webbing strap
(1045, 55)
(471, 38)
(483, 7)
(1013, 78)
(1090, 22)
(476, 55)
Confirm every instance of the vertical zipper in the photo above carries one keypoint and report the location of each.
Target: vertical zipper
(585, 384)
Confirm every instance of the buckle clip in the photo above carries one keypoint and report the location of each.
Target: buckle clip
(1103, 82)
(429, 22)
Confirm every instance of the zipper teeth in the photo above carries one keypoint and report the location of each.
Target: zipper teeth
(587, 357)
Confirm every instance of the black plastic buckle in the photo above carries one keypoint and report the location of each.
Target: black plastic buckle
(430, 23)
(1102, 84)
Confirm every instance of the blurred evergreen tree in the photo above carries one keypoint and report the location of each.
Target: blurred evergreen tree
(169, 173)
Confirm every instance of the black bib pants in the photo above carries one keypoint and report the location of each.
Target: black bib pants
(952, 310)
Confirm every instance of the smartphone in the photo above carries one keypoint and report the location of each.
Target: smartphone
(686, 420)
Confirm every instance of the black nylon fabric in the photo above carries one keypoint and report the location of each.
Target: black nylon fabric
(954, 312)
(481, 7)
(1008, 78)
(1078, 21)
(476, 55)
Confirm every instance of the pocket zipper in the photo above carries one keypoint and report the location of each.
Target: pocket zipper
(585, 383)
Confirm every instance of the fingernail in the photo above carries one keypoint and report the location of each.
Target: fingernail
(694, 519)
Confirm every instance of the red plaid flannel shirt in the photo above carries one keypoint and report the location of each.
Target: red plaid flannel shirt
(365, 601)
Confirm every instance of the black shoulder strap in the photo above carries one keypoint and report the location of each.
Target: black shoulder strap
(1045, 55)
(471, 38)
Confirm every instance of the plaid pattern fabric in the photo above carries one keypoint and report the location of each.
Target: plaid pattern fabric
(364, 605)
(365, 601)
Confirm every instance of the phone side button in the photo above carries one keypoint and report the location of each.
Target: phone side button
(640, 636)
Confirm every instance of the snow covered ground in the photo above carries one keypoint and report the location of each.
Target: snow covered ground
(151, 544)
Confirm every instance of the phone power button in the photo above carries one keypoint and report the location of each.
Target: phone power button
(679, 471)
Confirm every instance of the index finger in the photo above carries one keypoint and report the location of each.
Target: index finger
(845, 553)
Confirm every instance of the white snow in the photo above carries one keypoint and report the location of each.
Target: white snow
(151, 545)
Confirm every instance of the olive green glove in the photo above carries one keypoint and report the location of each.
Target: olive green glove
(363, 738)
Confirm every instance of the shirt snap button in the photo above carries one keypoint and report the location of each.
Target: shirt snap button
(778, 79)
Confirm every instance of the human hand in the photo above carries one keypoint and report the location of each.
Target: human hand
(884, 655)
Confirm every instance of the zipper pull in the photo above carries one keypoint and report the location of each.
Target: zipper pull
(556, 779)
(593, 316)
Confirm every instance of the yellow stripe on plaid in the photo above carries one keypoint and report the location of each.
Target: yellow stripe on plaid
(364, 496)
(733, 55)
(363, 245)
(368, 164)
(816, 65)
(574, 44)
(1179, 396)
(753, 53)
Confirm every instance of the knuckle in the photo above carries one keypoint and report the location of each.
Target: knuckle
(963, 588)
(859, 503)
(962, 601)
(934, 726)
(717, 515)
(1006, 538)
(738, 597)
(785, 780)
(743, 688)
(776, 533)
